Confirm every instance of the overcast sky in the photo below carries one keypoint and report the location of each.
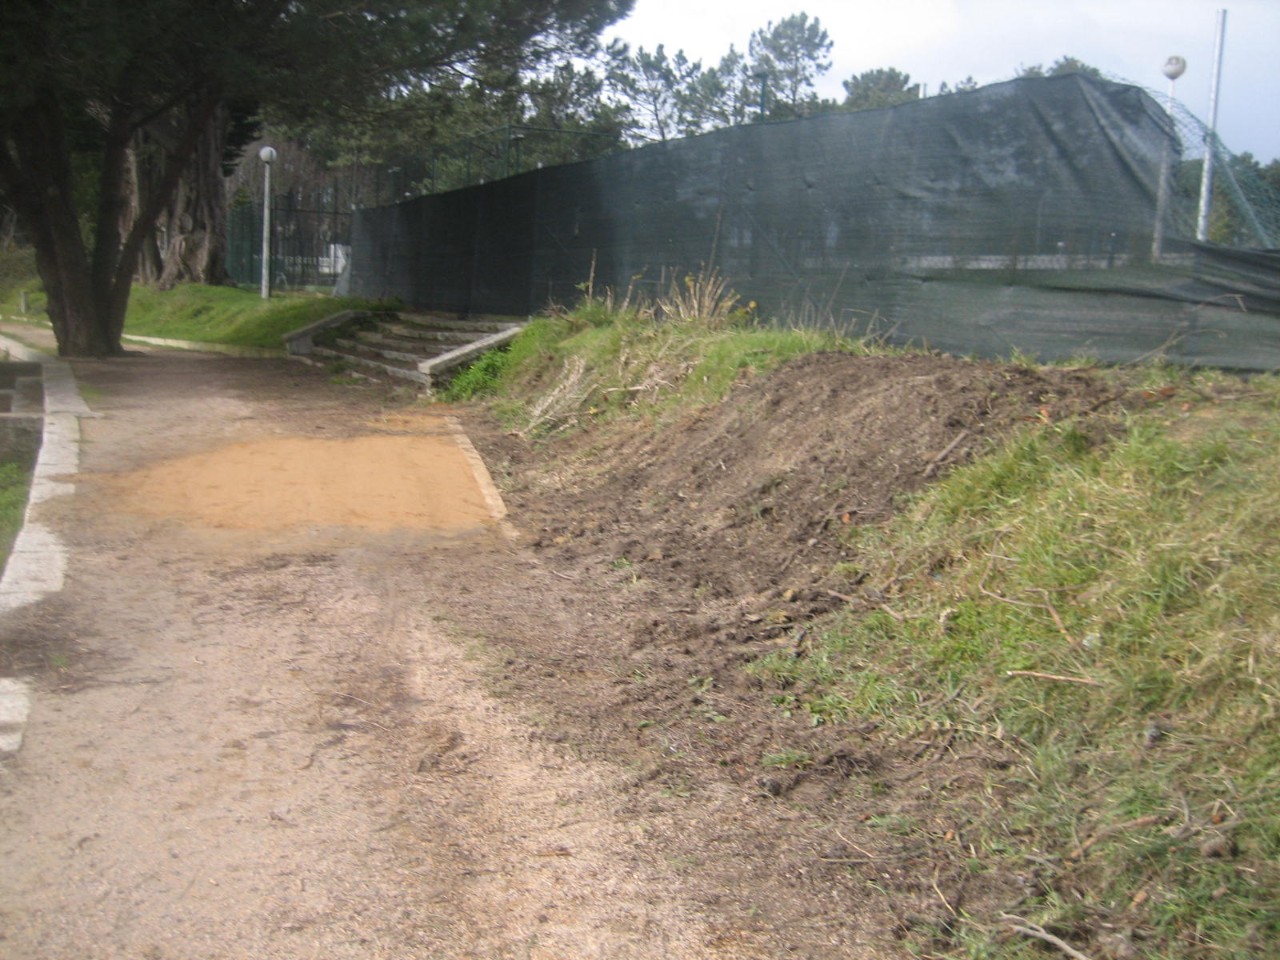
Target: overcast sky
(948, 40)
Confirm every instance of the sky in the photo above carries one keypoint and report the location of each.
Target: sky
(990, 40)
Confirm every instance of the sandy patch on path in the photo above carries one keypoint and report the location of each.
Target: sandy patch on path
(380, 483)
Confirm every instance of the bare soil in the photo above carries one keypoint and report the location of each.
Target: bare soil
(304, 696)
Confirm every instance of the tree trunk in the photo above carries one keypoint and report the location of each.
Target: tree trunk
(36, 173)
(89, 293)
(188, 241)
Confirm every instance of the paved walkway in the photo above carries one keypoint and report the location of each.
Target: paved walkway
(37, 561)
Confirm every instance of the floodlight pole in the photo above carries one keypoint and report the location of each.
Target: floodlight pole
(1173, 68)
(1210, 137)
(268, 156)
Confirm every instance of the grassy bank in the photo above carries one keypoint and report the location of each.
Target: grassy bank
(598, 361)
(14, 482)
(226, 315)
(1097, 601)
(1109, 611)
(203, 314)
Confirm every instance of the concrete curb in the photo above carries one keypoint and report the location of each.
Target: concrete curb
(38, 562)
(484, 480)
(227, 349)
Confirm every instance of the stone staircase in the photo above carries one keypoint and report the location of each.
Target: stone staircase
(422, 348)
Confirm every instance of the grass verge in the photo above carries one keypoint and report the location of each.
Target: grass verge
(203, 314)
(602, 360)
(226, 315)
(15, 481)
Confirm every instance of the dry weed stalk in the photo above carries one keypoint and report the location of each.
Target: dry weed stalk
(705, 297)
(556, 406)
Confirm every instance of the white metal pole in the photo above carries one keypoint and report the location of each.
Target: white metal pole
(267, 155)
(1206, 175)
(1174, 67)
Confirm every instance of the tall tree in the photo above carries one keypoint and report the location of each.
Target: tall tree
(961, 86)
(720, 96)
(80, 80)
(654, 86)
(875, 89)
(1060, 68)
(787, 58)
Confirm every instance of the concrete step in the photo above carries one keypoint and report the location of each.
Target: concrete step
(405, 331)
(482, 324)
(424, 349)
(376, 349)
(378, 366)
(418, 347)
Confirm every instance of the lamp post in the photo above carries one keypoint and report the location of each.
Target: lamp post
(1210, 138)
(1173, 68)
(268, 156)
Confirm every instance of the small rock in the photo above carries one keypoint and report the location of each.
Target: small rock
(1117, 946)
(1218, 847)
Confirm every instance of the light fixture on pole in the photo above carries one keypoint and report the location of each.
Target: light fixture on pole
(1173, 68)
(268, 156)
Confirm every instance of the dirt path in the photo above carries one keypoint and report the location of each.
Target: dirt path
(303, 696)
(256, 733)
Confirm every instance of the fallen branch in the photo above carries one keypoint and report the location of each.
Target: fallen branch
(1029, 929)
(1148, 821)
(1054, 676)
(946, 451)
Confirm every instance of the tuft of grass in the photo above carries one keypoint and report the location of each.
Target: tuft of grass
(1108, 611)
(480, 379)
(620, 356)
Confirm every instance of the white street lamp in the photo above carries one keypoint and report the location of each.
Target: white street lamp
(268, 156)
(1173, 68)
(1210, 138)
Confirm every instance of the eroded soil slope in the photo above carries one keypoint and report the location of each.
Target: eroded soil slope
(710, 542)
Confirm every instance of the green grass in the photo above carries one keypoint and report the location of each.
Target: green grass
(226, 315)
(203, 314)
(14, 483)
(1110, 610)
(592, 364)
(18, 274)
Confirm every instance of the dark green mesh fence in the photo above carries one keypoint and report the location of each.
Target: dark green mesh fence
(1048, 216)
(310, 242)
